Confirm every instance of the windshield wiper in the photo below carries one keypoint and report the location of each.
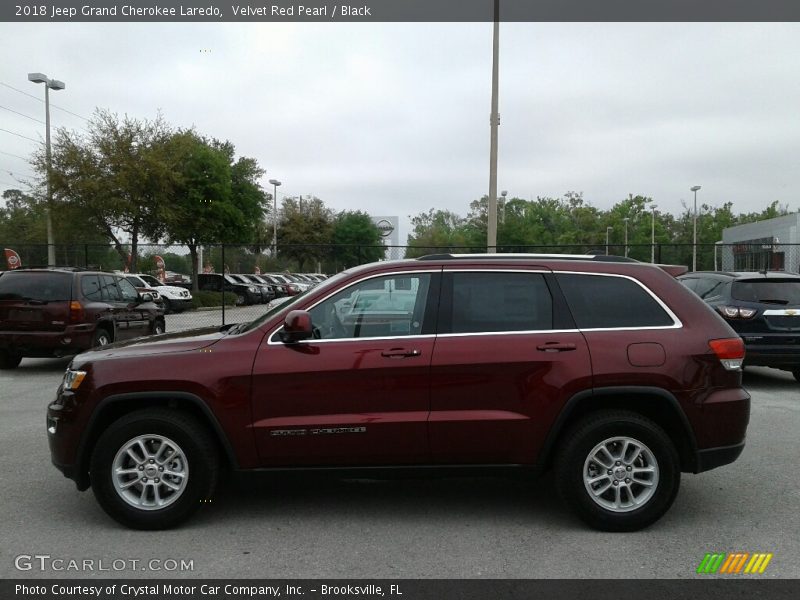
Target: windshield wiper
(773, 301)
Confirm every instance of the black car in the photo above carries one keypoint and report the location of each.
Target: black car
(267, 293)
(762, 307)
(216, 282)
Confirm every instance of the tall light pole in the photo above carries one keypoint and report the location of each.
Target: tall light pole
(626, 219)
(275, 183)
(694, 189)
(49, 84)
(653, 235)
(608, 231)
(494, 121)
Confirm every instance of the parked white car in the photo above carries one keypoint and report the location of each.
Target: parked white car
(176, 299)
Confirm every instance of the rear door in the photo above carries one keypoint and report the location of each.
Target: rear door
(507, 357)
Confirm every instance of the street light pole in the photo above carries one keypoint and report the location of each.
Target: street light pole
(653, 235)
(694, 189)
(275, 183)
(49, 84)
(494, 121)
(626, 219)
(608, 230)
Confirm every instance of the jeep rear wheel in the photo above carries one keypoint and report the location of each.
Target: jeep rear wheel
(618, 471)
(153, 468)
(9, 359)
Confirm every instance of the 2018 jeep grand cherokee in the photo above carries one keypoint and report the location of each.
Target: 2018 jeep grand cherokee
(611, 372)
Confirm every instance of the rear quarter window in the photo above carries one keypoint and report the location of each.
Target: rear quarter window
(39, 286)
(603, 302)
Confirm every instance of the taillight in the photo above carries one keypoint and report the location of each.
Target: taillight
(735, 312)
(729, 351)
(76, 313)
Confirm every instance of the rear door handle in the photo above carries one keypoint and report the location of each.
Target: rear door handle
(556, 347)
(400, 353)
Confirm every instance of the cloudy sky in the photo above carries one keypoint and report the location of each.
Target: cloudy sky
(394, 118)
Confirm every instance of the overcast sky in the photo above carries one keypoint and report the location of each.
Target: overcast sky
(394, 118)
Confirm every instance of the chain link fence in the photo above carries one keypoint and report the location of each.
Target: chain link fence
(233, 278)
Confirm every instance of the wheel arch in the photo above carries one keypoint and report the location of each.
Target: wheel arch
(115, 406)
(655, 403)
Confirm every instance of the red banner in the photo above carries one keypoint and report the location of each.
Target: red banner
(12, 259)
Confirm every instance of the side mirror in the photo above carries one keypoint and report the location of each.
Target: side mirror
(146, 297)
(296, 327)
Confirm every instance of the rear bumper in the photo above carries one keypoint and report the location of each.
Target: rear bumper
(711, 458)
(47, 343)
(781, 356)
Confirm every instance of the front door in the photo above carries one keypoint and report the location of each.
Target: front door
(358, 393)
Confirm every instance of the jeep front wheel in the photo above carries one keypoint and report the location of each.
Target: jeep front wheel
(153, 468)
(618, 470)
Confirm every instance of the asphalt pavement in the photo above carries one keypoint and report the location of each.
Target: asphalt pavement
(462, 528)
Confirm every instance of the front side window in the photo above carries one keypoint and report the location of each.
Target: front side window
(129, 293)
(604, 302)
(388, 306)
(497, 302)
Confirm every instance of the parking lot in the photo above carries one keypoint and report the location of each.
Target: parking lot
(400, 529)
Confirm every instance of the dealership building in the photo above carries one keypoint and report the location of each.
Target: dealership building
(773, 244)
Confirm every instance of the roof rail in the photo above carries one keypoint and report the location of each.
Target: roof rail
(521, 256)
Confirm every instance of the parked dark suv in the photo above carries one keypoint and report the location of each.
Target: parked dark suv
(57, 312)
(763, 308)
(246, 293)
(613, 373)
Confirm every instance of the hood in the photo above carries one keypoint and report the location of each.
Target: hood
(181, 341)
(174, 289)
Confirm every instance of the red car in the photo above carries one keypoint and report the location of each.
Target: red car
(608, 370)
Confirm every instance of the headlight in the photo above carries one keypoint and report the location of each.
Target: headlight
(73, 379)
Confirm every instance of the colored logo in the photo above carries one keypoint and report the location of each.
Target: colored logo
(734, 563)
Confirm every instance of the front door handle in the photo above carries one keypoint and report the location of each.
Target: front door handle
(400, 353)
(556, 347)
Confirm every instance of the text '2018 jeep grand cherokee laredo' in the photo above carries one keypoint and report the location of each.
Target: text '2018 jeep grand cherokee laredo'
(610, 371)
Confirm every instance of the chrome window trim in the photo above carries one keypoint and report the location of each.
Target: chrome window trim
(676, 322)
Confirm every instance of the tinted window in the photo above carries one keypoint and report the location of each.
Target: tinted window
(690, 283)
(135, 281)
(108, 289)
(598, 301)
(767, 290)
(488, 302)
(129, 293)
(90, 287)
(151, 281)
(45, 287)
(379, 307)
(708, 288)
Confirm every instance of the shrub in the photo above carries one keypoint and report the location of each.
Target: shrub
(203, 299)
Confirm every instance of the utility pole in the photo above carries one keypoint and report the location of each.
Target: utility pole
(494, 121)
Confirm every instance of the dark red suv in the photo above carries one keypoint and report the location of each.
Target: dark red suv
(608, 371)
(60, 311)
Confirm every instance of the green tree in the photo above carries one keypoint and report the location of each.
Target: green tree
(116, 174)
(305, 230)
(213, 198)
(356, 239)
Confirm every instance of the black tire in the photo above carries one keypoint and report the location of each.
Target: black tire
(102, 337)
(167, 306)
(603, 427)
(240, 300)
(159, 327)
(198, 454)
(9, 359)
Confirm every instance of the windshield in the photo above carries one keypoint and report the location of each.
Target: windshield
(287, 305)
(770, 291)
(150, 280)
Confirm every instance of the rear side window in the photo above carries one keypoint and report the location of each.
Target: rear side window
(497, 302)
(40, 286)
(770, 291)
(90, 288)
(602, 302)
